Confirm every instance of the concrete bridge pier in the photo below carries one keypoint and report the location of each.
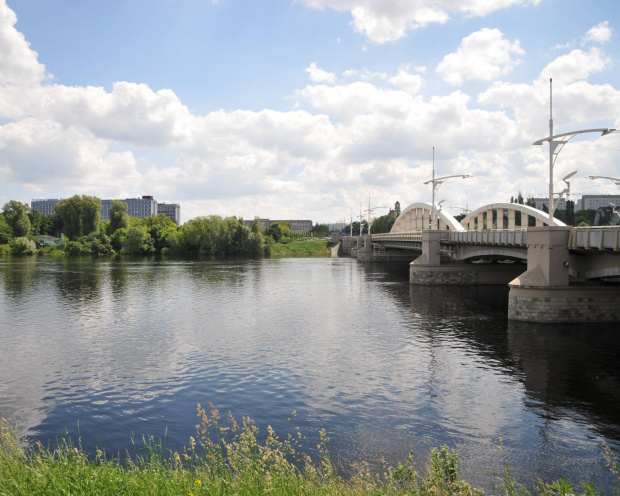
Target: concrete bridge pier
(364, 252)
(428, 268)
(544, 292)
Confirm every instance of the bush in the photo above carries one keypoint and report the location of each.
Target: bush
(22, 246)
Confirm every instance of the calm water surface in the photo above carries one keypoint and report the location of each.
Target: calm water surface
(109, 349)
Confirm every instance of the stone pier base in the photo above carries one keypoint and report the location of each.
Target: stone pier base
(463, 274)
(564, 304)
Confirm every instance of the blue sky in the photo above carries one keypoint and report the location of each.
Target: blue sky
(303, 109)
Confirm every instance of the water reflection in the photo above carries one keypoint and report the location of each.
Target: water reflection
(124, 346)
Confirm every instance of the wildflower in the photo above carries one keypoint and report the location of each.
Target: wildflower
(198, 482)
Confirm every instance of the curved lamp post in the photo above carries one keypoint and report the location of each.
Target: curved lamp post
(615, 180)
(436, 182)
(558, 141)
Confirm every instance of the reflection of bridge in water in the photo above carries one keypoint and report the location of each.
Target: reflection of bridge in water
(572, 274)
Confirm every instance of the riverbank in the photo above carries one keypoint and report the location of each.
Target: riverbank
(231, 460)
(302, 248)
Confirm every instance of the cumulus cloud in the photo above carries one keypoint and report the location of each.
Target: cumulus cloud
(384, 21)
(318, 75)
(370, 128)
(18, 61)
(577, 64)
(601, 33)
(484, 55)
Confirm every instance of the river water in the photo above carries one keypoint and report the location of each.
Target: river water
(110, 349)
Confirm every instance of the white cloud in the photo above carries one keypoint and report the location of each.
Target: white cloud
(484, 55)
(601, 33)
(576, 65)
(411, 83)
(318, 75)
(18, 61)
(384, 21)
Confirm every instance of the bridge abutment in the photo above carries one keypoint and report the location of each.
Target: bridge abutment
(543, 293)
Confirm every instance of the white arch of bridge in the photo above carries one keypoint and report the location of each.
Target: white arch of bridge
(417, 217)
(479, 218)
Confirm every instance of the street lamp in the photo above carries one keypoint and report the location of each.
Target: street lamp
(612, 179)
(559, 140)
(436, 182)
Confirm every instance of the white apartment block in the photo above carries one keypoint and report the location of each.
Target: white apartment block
(595, 202)
(136, 207)
(172, 210)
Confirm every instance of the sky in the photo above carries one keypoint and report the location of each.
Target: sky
(305, 109)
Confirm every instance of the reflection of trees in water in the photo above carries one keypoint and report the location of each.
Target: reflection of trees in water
(80, 280)
(17, 275)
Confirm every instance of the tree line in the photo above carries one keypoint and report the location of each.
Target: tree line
(78, 221)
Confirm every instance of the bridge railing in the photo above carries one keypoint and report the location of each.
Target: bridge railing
(595, 238)
(505, 237)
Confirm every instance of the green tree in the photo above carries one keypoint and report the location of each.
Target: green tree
(530, 202)
(159, 227)
(81, 215)
(22, 246)
(138, 242)
(6, 233)
(119, 219)
(16, 215)
(382, 224)
(118, 239)
(40, 224)
(320, 230)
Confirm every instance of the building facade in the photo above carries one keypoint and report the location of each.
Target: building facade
(296, 225)
(595, 202)
(172, 210)
(136, 207)
(45, 206)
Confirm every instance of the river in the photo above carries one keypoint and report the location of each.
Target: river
(110, 349)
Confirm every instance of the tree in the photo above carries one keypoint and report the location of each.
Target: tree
(22, 246)
(81, 215)
(320, 230)
(138, 242)
(16, 215)
(530, 202)
(159, 227)
(570, 213)
(6, 233)
(382, 224)
(118, 216)
(40, 223)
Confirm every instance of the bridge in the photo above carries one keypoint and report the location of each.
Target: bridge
(555, 273)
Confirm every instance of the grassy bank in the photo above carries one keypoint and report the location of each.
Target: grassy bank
(301, 248)
(226, 458)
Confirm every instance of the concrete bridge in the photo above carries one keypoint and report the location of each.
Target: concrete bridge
(555, 273)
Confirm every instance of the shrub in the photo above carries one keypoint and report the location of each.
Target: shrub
(22, 246)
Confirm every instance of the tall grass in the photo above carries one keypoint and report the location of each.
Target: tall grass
(227, 458)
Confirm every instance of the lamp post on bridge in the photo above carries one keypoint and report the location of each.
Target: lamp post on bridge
(559, 140)
(616, 181)
(436, 182)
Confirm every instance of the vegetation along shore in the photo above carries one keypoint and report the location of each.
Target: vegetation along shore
(77, 229)
(227, 457)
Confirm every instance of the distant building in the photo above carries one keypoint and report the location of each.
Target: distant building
(136, 207)
(296, 225)
(46, 207)
(172, 210)
(561, 205)
(595, 202)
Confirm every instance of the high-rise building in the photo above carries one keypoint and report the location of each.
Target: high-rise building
(136, 207)
(45, 206)
(595, 202)
(172, 210)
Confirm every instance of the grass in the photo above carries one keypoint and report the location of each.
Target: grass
(301, 248)
(226, 458)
